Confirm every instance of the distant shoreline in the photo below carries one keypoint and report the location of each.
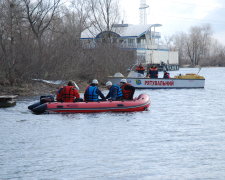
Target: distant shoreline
(34, 88)
(38, 88)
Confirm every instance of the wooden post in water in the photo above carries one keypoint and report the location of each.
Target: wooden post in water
(7, 101)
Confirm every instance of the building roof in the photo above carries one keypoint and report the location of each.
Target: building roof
(124, 30)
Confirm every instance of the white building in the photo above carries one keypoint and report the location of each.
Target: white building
(142, 38)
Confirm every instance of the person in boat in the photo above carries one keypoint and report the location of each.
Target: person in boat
(92, 92)
(68, 93)
(127, 89)
(58, 95)
(166, 75)
(140, 69)
(115, 92)
(153, 72)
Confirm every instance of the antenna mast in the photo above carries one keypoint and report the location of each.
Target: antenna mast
(142, 8)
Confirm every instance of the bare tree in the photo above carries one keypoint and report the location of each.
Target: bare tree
(80, 16)
(104, 13)
(216, 54)
(10, 37)
(198, 43)
(38, 42)
(195, 45)
(180, 43)
(40, 14)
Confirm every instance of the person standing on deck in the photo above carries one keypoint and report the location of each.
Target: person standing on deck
(153, 72)
(140, 69)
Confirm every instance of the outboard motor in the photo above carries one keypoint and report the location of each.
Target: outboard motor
(40, 109)
(48, 98)
(32, 106)
(43, 99)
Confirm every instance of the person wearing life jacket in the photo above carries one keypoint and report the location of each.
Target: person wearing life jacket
(58, 94)
(92, 92)
(153, 72)
(140, 69)
(68, 93)
(166, 75)
(127, 89)
(115, 92)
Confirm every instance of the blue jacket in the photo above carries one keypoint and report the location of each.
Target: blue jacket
(115, 92)
(92, 93)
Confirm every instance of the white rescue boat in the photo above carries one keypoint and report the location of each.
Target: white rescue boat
(139, 81)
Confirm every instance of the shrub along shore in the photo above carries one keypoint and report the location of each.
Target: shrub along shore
(35, 88)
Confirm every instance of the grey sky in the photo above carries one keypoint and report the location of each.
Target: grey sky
(179, 15)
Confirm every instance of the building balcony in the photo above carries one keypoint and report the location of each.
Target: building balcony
(141, 46)
(156, 35)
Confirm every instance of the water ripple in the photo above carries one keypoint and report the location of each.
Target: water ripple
(180, 137)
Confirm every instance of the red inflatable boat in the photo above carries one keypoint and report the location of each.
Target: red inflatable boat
(141, 103)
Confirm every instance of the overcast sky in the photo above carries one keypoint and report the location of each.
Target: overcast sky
(178, 15)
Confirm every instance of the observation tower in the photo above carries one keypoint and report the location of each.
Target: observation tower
(143, 15)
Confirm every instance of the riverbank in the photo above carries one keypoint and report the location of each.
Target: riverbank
(35, 88)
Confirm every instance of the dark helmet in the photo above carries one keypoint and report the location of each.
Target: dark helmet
(70, 83)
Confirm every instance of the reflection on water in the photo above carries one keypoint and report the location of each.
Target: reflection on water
(180, 137)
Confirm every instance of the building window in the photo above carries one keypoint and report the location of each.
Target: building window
(131, 41)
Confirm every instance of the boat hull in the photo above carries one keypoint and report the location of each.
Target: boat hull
(141, 103)
(160, 83)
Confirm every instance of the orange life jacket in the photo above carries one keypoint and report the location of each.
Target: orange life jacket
(58, 94)
(153, 72)
(140, 68)
(126, 93)
(69, 93)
